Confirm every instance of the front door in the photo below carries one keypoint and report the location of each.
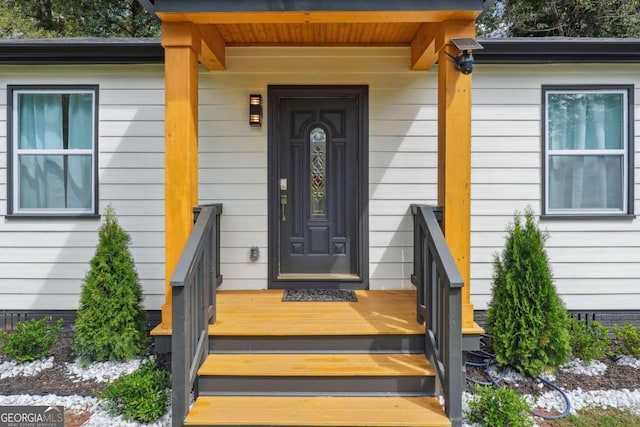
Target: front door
(318, 188)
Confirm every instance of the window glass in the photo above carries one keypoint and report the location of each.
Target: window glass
(587, 151)
(580, 121)
(54, 151)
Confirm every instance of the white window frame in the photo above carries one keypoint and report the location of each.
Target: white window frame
(627, 111)
(14, 208)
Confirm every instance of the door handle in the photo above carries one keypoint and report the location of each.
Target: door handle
(283, 207)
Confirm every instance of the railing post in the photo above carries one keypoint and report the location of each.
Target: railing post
(179, 357)
(439, 304)
(455, 363)
(193, 287)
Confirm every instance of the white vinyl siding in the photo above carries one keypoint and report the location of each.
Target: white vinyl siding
(43, 261)
(594, 261)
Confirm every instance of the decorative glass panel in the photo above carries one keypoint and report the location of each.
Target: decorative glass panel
(318, 166)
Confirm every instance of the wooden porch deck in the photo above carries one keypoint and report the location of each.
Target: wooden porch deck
(264, 313)
(316, 363)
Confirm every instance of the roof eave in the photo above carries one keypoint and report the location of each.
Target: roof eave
(81, 51)
(557, 50)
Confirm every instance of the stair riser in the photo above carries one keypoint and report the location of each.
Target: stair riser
(318, 344)
(356, 386)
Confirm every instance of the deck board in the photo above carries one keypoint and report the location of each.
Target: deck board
(262, 313)
(327, 365)
(317, 411)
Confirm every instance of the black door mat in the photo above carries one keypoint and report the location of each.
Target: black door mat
(318, 295)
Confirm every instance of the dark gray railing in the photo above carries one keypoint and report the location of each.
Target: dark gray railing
(193, 296)
(439, 305)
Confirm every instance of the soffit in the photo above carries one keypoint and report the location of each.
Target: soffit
(351, 28)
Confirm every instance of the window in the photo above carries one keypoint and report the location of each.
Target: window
(588, 150)
(52, 150)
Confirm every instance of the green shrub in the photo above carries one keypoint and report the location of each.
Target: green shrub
(499, 407)
(142, 395)
(630, 337)
(526, 318)
(111, 323)
(590, 341)
(31, 340)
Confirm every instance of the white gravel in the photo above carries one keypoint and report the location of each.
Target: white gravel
(629, 361)
(101, 371)
(577, 366)
(580, 399)
(100, 418)
(11, 368)
(70, 403)
(623, 399)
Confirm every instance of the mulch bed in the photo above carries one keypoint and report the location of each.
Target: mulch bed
(54, 380)
(616, 377)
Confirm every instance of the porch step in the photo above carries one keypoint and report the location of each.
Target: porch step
(274, 363)
(317, 374)
(317, 411)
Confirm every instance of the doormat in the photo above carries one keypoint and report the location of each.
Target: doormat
(318, 295)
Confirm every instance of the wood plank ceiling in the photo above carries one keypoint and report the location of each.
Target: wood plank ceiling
(390, 28)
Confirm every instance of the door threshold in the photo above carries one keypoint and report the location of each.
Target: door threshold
(311, 276)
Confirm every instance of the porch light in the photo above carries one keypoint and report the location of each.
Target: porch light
(464, 61)
(255, 110)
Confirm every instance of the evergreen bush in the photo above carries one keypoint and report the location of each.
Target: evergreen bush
(590, 341)
(31, 340)
(142, 395)
(111, 323)
(629, 335)
(499, 407)
(526, 318)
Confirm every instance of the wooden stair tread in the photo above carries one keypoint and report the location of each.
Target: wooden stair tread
(264, 314)
(316, 365)
(317, 411)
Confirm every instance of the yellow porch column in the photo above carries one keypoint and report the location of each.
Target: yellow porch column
(181, 42)
(454, 156)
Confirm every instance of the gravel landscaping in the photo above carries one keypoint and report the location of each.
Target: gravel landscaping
(59, 379)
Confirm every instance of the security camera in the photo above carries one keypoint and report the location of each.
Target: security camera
(464, 62)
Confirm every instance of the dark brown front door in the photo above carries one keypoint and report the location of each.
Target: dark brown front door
(318, 194)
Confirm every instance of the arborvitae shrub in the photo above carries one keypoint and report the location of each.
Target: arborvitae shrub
(526, 318)
(111, 323)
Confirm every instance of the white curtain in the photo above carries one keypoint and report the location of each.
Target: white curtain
(79, 168)
(585, 122)
(55, 181)
(40, 127)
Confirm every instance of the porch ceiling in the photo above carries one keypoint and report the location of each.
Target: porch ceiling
(371, 28)
(412, 23)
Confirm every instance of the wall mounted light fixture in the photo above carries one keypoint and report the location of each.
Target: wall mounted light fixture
(255, 110)
(464, 61)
